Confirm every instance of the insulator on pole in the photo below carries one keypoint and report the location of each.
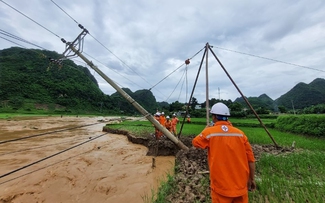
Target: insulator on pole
(63, 40)
(79, 25)
(187, 61)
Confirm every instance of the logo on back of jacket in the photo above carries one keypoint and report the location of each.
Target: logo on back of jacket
(224, 128)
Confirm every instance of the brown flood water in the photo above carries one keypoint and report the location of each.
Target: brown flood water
(108, 169)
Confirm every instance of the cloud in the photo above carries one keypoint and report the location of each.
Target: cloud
(145, 41)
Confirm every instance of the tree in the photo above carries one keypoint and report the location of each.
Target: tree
(282, 109)
(176, 106)
(193, 103)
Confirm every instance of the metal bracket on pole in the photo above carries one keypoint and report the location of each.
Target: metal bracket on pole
(77, 44)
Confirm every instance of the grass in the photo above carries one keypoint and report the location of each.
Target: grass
(12, 115)
(296, 177)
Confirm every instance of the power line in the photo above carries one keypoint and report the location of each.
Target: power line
(3, 32)
(43, 146)
(44, 167)
(176, 69)
(31, 19)
(176, 86)
(13, 42)
(48, 157)
(41, 134)
(275, 60)
(64, 11)
(124, 63)
(114, 71)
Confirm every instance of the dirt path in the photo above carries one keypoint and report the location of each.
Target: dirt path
(109, 169)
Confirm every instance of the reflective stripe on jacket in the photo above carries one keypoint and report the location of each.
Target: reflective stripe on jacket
(229, 152)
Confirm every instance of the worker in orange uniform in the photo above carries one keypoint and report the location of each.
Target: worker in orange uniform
(158, 133)
(188, 120)
(230, 156)
(168, 124)
(174, 123)
(162, 119)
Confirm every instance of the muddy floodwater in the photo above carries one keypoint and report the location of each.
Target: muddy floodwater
(107, 169)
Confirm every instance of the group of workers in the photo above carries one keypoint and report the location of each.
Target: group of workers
(169, 124)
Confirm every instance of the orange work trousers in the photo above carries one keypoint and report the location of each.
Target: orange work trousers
(217, 198)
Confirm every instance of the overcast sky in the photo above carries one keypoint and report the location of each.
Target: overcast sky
(266, 46)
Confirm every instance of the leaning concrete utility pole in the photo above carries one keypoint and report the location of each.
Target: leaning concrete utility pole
(77, 42)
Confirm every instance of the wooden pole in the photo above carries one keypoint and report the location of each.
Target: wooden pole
(207, 105)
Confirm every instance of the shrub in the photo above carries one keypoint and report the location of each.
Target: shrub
(313, 125)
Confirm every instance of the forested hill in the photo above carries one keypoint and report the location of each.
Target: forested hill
(28, 80)
(300, 96)
(304, 95)
(263, 101)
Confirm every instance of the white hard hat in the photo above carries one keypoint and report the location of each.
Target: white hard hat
(158, 113)
(167, 117)
(162, 113)
(174, 114)
(220, 109)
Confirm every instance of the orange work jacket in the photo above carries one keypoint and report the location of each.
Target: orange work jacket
(174, 121)
(168, 125)
(229, 152)
(162, 120)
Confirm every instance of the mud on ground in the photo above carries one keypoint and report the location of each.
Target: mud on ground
(191, 170)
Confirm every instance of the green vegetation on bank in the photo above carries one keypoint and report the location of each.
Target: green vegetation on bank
(313, 125)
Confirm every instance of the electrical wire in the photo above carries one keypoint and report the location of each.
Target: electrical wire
(175, 70)
(30, 19)
(262, 57)
(13, 42)
(114, 71)
(43, 146)
(41, 134)
(124, 63)
(51, 165)
(1, 183)
(48, 157)
(3, 32)
(176, 86)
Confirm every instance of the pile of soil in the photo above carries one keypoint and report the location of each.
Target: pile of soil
(191, 165)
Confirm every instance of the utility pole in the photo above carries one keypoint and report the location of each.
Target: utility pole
(76, 48)
(207, 106)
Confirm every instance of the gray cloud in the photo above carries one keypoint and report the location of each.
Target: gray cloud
(147, 40)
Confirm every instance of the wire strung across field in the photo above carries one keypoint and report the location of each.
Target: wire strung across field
(48, 157)
(46, 133)
(43, 146)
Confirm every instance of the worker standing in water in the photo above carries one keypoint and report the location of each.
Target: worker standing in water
(174, 124)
